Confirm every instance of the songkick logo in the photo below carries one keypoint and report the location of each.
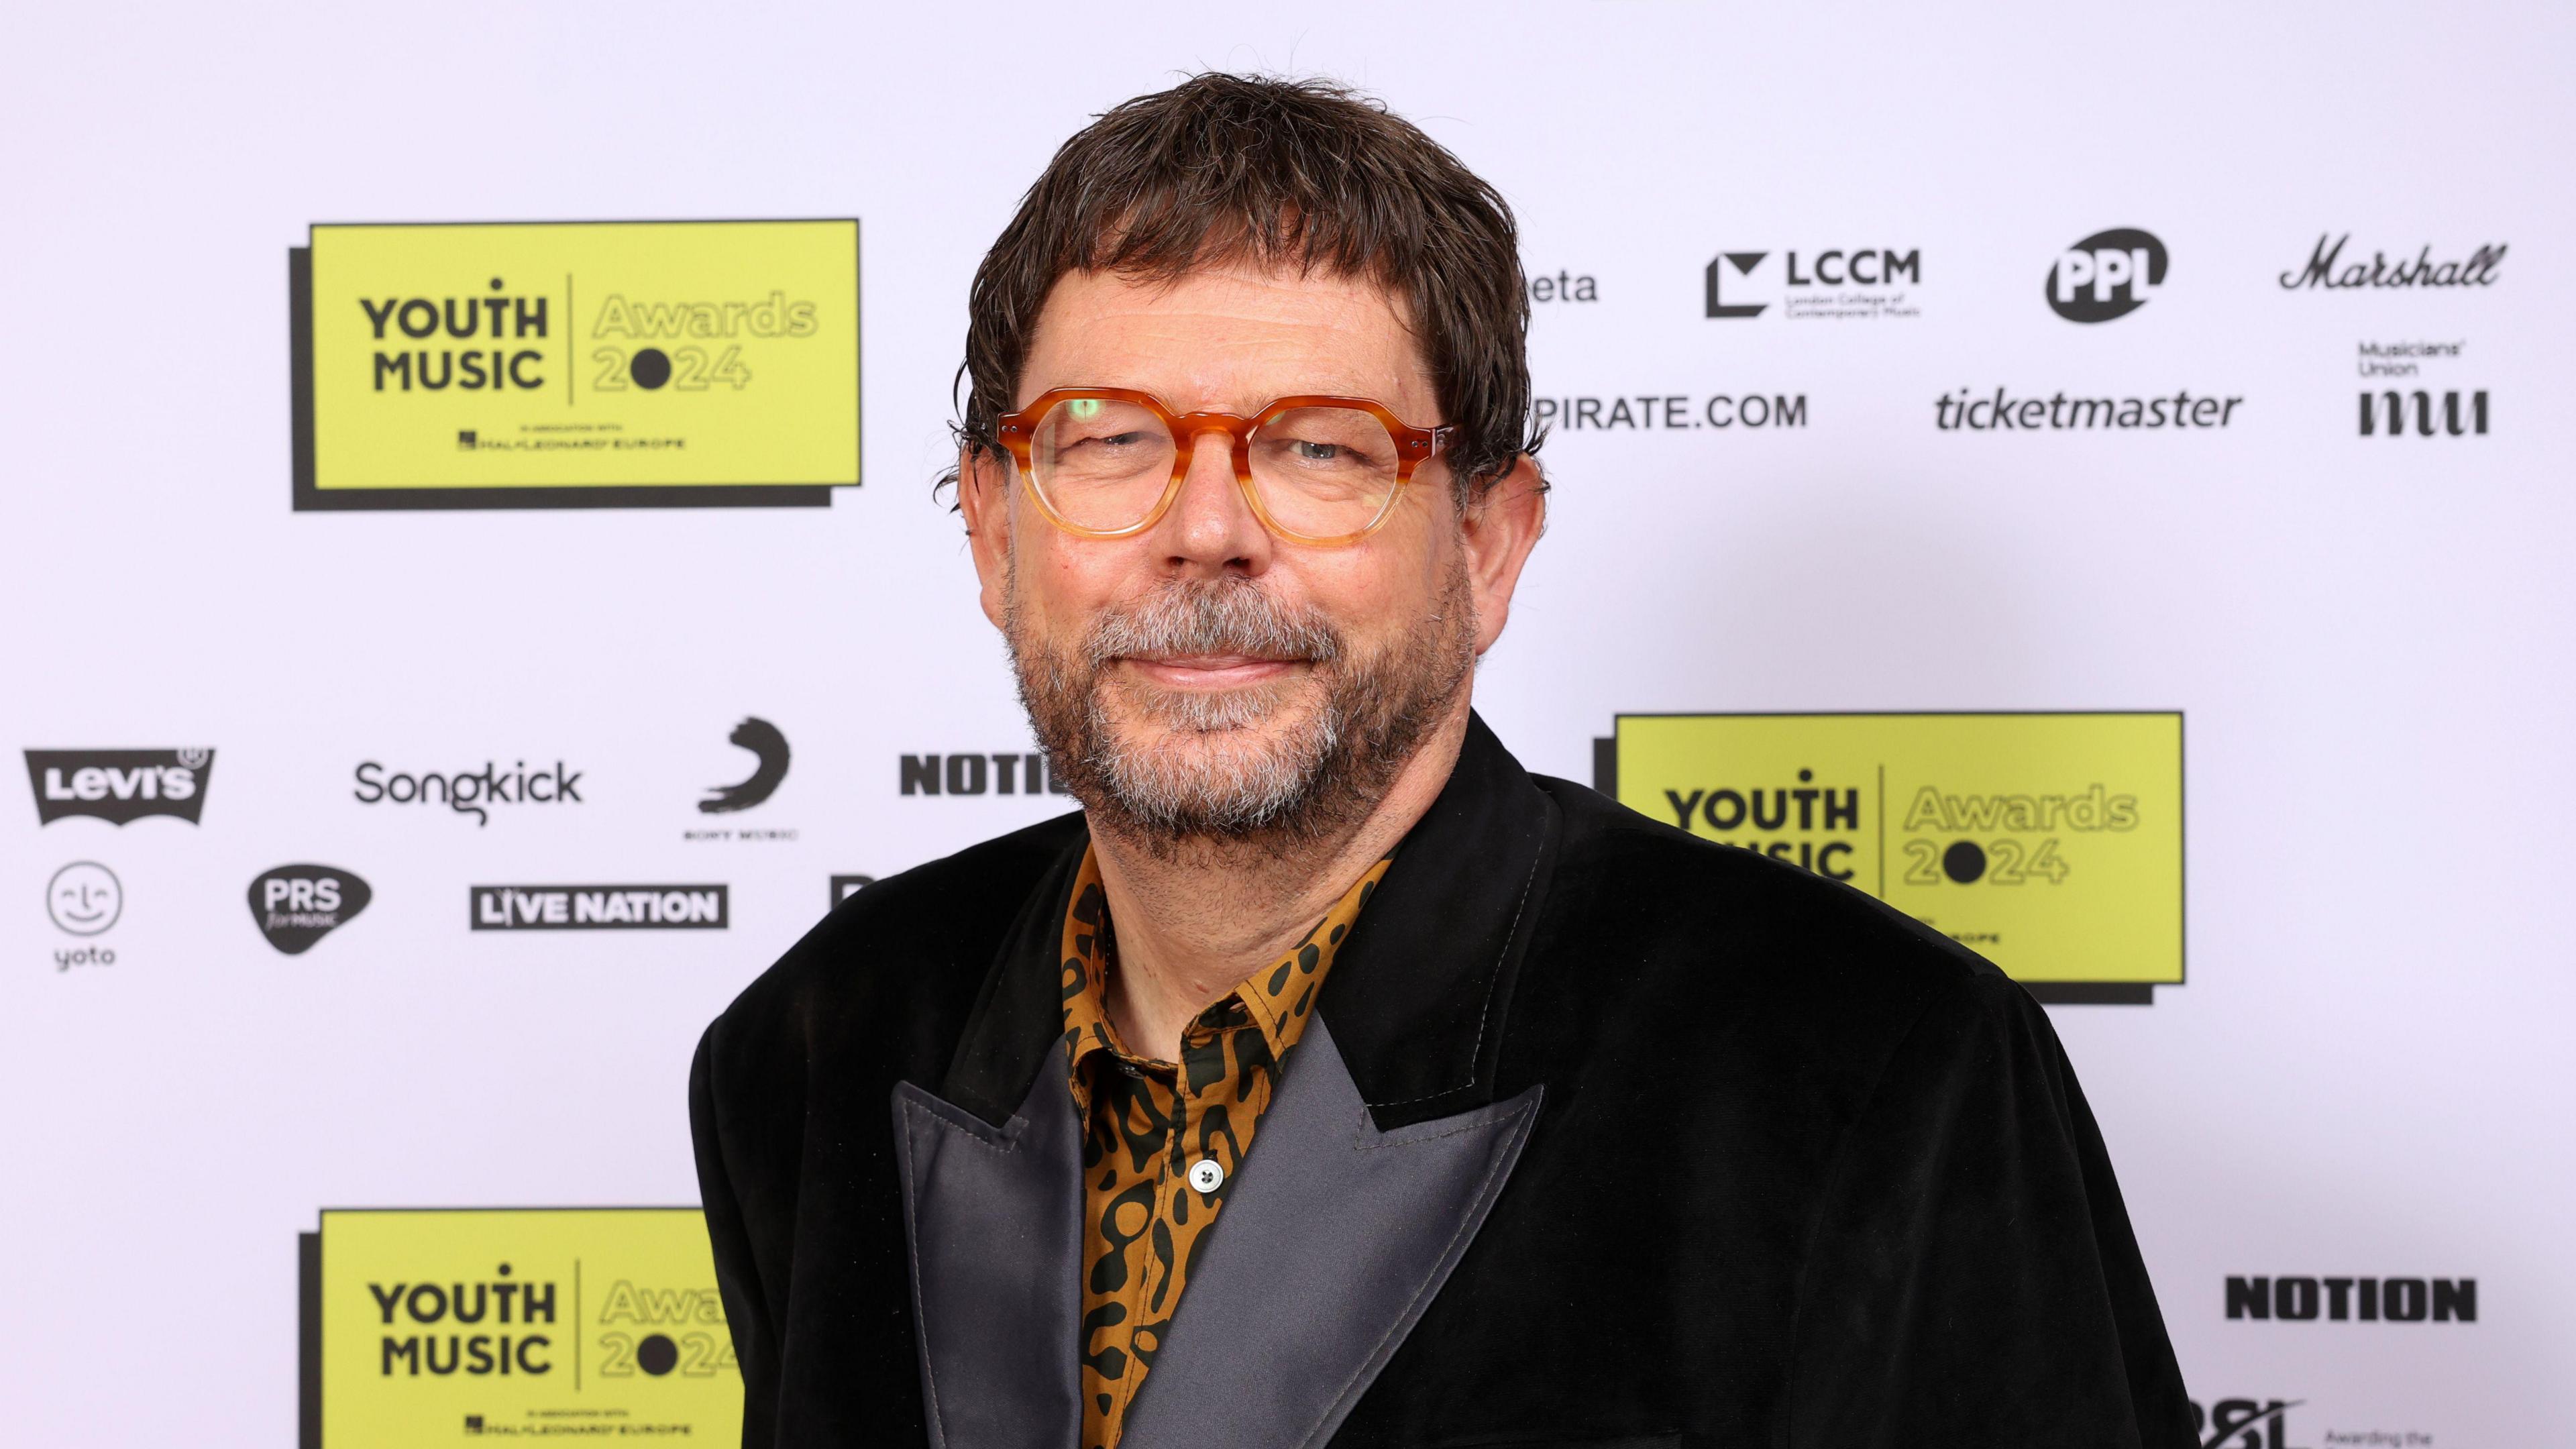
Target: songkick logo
(767, 746)
(600, 908)
(1836, 284)
(118, 786)
(472, 793)
(295, 906)
(2108, 274)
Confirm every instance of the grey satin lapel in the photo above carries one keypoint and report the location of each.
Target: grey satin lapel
(993, 1217)
(1333, 1239)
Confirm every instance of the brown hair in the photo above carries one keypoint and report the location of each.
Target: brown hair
(1284, 173)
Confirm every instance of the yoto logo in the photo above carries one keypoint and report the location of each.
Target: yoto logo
(297, 905)
(2389, 411)
(119, 785)
(769, 747)
(84, 898)
(2108, 274)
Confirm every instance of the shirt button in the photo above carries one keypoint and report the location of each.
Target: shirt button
(1205, 1175)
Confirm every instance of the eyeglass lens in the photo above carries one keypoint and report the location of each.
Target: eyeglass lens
(1320, 472)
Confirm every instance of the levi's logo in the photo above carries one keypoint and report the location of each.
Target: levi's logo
(119, 785)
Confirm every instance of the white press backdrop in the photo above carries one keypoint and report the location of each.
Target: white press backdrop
(2367, 1073)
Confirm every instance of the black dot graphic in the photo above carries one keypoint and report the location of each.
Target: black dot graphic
(651, 367)
(657, 1354)
(1963, 862)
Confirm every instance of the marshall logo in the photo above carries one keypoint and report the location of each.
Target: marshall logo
(767, 746)
(2108, 274)
(2328, 271)
(2370, 1300)
(297, 905)
(119, 785)
(600, 908)
(2389, 410)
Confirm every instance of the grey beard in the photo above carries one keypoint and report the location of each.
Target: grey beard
(1308, 783)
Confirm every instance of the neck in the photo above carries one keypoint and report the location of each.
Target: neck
(1192, 924)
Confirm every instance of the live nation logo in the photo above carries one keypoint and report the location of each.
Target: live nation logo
(600, 908)
(119, 786)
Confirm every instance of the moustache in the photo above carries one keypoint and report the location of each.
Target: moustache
(1224, 618)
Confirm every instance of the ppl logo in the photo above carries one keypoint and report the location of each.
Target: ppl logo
(2108, 274)
(295, 906)
(119, 786)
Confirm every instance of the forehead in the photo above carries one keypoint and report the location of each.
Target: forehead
(1229, 338)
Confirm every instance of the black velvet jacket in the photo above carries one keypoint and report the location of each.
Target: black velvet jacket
(1605, 1136)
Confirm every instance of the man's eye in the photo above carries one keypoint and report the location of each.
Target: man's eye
(1318, 452)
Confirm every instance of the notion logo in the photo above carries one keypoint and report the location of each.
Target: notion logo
(295, 906)
(2389, 411)
(2108, 274)
(600, 908)
(119, 785)
(2369, 1300)
(769, 747)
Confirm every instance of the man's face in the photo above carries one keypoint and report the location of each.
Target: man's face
(1203, 678)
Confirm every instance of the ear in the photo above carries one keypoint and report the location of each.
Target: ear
(984, 497)
(1498, 531)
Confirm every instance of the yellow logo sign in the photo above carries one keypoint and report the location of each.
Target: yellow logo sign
(431, 1326)
(576, 364)
(2049, 843)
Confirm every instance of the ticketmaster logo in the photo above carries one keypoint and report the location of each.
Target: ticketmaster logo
(601, 908)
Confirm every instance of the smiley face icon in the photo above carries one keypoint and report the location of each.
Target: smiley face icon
(84, 898)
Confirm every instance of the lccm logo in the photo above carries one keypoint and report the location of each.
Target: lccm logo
(119, 785)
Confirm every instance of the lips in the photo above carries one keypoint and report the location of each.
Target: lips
(1210, 671)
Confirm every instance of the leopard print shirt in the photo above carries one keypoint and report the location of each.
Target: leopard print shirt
(1152, 1129)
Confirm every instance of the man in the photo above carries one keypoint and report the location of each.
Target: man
(1329, 1078)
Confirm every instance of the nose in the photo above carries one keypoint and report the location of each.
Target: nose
(1211, 529)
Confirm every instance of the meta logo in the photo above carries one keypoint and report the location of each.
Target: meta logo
(295, 906)
(2108, 274)
(1013, 774)
(2244, 1423)
(1813, 284)
(2388, 411)
(769, 748)
(599, 908)
(1563, 287)
(2370, 1300)
(119, 785)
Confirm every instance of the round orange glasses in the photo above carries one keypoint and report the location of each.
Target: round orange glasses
(1106, 462)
